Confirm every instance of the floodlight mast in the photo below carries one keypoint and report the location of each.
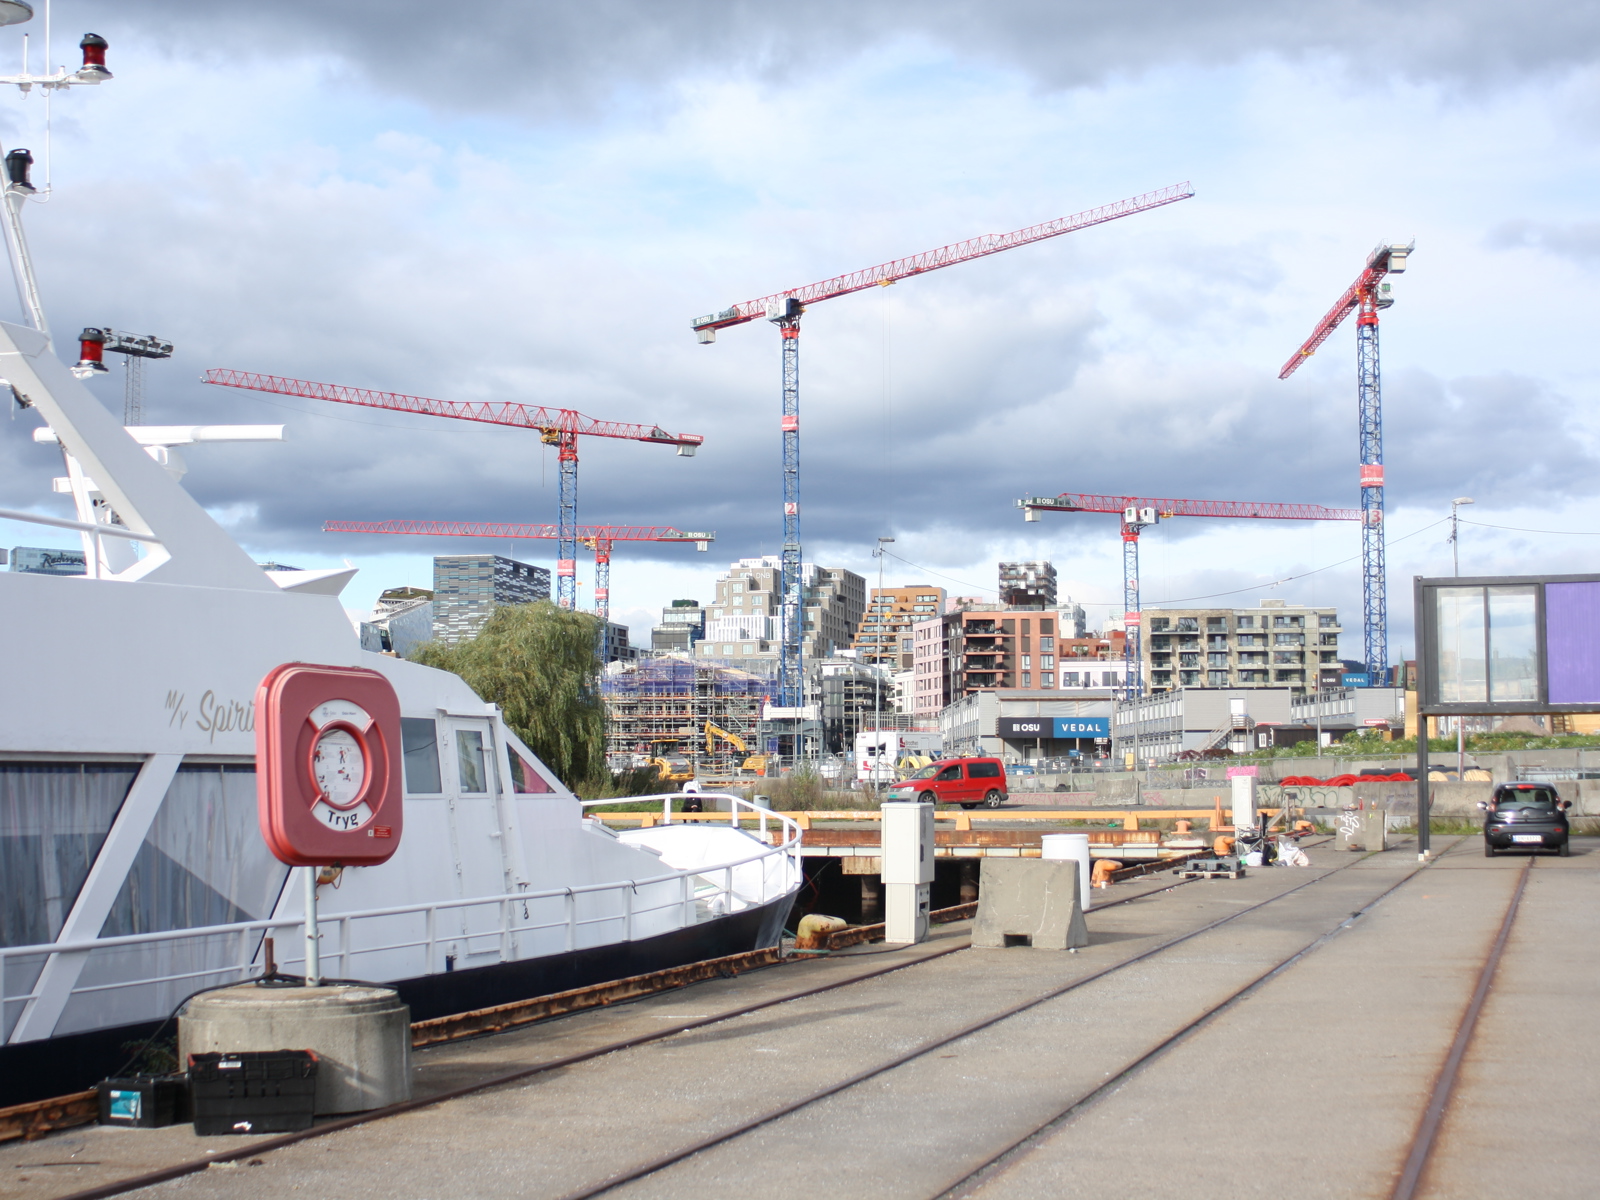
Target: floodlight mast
(135, 348)
(784, 310)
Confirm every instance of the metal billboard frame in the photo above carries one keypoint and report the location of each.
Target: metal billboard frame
(1428, 704)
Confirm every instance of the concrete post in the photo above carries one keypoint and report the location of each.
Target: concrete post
(361, 1036)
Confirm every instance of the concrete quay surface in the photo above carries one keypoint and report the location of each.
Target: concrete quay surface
(1288, 1051)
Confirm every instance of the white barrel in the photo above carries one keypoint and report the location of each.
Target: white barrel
(1070, 845)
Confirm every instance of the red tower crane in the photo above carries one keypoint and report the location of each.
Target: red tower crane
(598, 538)
(784, 310)
(1140, 512)
(558, 427)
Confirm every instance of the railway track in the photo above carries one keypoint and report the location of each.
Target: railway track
(991, 1166)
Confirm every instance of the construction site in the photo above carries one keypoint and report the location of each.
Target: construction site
(690, 718)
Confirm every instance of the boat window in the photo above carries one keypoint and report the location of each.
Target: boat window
(54, 817)
(421, 740)
(469, 760)
(525, 779)
(204, 861)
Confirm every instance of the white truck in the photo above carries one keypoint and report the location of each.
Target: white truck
(879, 751)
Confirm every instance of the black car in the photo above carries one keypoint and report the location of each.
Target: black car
(1525, 816)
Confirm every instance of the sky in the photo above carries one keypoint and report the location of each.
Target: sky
(529, 202)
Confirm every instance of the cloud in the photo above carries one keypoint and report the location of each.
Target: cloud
(1577, 241)
(533, 59)
(528, 203)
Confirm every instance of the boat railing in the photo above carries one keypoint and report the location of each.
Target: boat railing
(739, 810)
(481, 929)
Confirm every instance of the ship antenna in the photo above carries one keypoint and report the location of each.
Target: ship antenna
(19, 162)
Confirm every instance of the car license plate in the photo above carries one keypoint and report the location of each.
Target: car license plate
(1527, 837)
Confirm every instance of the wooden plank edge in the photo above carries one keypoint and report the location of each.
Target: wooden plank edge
(39, 1117)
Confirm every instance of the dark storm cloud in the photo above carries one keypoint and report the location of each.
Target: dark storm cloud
(541, 57)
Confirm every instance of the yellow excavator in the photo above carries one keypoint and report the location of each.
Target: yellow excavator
(671, 766)
(754, 762)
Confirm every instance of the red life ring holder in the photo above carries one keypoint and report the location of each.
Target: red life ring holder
(328, 765)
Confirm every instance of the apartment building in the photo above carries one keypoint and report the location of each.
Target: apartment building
(1025, 584)
(745, 620)
(885, 637)
(1275, 644)
(987, 646)
(682, 623)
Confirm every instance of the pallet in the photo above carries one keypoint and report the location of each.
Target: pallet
(1239, 874)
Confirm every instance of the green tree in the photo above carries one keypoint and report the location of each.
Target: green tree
(537, 662)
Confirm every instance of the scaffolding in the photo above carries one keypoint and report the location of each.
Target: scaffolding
(661, 706)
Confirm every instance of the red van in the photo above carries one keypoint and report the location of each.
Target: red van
(968, 782)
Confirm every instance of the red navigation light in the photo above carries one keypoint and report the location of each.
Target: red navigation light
(91, 353)
(94, 59)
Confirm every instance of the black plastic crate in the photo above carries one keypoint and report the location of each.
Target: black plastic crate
(144, 1101)
(253, 1091)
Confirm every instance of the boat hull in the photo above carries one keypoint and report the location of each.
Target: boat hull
(74, 1062)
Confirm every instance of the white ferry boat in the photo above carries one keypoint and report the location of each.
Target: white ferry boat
(133, 872)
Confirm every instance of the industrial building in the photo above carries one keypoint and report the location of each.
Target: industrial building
(467, 588)
(885, 636)
(1339, 711)
(1022, 725)
(683, 623)
(41, 560)
(1275, 645)
(1028, 585)
(744, 621)
(1161, 726)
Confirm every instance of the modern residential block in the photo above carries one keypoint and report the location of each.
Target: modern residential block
(745, 619)
(469, 587)
(1276, 644)
(1025, 584)
(885, 637)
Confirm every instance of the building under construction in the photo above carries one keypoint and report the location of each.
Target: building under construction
(705, 711)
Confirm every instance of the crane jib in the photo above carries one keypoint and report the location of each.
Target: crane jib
(943, 256)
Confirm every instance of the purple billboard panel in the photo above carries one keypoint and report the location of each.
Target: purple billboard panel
(1572, 642)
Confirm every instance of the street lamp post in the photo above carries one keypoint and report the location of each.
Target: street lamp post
(1455, 517)
(1455, 561)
